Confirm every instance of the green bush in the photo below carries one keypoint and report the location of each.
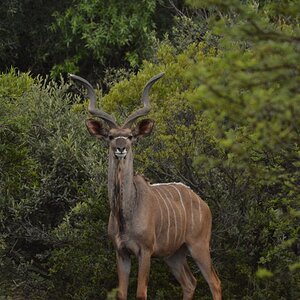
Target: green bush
(45, 176)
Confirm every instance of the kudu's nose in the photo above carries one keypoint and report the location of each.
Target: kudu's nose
(121, 149)
(120, 152)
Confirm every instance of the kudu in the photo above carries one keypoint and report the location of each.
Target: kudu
(166, 220)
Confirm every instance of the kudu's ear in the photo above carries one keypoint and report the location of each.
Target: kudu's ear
(143, 128)
(96, 128)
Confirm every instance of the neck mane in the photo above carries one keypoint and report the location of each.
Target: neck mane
(121, 189)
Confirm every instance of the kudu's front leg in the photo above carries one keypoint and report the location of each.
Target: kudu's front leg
(143, 276)
(123, 265)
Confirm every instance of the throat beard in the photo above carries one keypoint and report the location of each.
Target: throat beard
(122, 193)
(118, 197)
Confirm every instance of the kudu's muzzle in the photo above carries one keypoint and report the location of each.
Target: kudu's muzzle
(120, 147)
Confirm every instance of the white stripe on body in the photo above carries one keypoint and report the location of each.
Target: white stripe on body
(175, 219)
(161, 215)
(185, 217)
(192, 211)
(200, 213)
(168, 213)
(170, 183)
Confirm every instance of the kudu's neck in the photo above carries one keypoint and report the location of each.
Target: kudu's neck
(121, 189)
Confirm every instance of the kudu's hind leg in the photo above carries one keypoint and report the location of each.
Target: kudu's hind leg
(201, 255)
(182, 273)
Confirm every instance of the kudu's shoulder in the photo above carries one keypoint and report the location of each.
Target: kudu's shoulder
(141, 180)
(142, 184)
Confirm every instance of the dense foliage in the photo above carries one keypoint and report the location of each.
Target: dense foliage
(227, 125)
(93, 38)
(26, 40)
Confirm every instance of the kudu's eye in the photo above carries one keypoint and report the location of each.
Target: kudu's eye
(130, 137)
(110, 137)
